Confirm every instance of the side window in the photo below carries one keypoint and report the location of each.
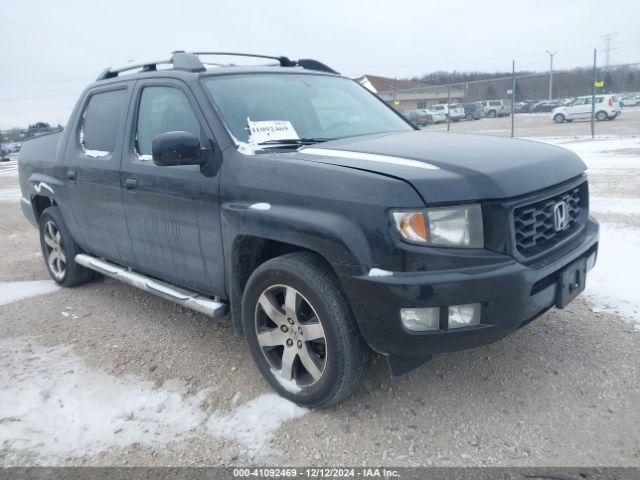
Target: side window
(100, 122)
(162, 109)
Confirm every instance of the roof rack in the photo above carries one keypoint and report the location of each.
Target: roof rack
(189, 61)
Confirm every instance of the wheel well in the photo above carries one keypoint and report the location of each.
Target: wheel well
(40, 202)
(249, 253)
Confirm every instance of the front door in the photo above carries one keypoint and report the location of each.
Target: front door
(172, 212)
(580, 109)
(92, 173)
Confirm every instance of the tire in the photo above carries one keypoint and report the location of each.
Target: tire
(559, 118)
(338, 351)
(601, 115)
(59, 250)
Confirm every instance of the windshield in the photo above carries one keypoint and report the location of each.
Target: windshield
(299, 106)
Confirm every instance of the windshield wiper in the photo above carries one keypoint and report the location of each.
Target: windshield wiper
(294, 142)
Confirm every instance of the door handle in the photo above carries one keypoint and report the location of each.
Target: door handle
(131, 184)
(71, 174)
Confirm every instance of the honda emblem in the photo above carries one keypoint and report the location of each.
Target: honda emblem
(560, 216)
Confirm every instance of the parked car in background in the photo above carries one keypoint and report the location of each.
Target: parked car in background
(453, 110)
(607, 107)
(438, 116)
(496, 108)
(14, 147)
(473, 111)
(630, 101)
(419, 117)
(545, 106)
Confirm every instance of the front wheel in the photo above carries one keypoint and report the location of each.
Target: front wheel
(301, 332)
(558, 118)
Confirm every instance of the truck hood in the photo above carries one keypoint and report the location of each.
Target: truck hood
(453, 167)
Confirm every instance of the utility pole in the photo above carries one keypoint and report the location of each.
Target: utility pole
(608, 48)
(551, 54)
(449, 101)
(593, 93)
(513, 97)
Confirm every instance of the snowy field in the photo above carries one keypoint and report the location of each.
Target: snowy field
(68, 396)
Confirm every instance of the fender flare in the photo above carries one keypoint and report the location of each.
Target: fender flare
(41, 186)
(338, 240)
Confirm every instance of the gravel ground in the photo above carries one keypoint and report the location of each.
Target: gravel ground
(564, 391)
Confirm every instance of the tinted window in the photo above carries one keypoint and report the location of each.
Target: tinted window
(100, 122)
(163, 109)
(495, 103)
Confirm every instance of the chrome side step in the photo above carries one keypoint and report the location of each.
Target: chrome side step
(186, 298)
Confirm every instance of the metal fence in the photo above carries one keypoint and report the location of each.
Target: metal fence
(573, 102)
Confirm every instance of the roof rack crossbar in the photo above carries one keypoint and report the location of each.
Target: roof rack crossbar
(284, 61)
(190, 62)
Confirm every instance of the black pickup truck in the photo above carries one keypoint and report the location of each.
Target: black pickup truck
(328, 225)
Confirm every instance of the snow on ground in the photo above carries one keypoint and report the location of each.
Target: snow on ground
(9, 169)
(612, 285)
(254, 423)
(602, 153)
(9, 194)
(14, 291)
(620, 206)
(54, 406)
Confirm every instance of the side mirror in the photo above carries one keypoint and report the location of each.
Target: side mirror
(176, 148)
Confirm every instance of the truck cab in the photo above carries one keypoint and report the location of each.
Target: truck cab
(323, 223)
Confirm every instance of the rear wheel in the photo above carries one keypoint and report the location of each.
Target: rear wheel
(559, 118)
(59, 250)
(301, 332)
(601, 115)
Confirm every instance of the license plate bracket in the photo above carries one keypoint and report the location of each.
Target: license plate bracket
(571, 282)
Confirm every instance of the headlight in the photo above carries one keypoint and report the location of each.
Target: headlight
(443, 226)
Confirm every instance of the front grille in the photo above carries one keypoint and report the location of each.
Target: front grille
(534, 223)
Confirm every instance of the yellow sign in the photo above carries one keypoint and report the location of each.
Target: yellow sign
(396, 102)
(599, 84)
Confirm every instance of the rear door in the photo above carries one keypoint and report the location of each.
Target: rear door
(172, 213)
(91, 172)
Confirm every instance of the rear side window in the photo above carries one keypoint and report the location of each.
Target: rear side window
(100, 122)
(495, 103)
(162, 109)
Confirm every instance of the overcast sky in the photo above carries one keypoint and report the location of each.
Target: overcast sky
(51, 49)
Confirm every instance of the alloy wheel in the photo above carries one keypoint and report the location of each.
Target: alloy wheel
(291, 336)
(54, 249)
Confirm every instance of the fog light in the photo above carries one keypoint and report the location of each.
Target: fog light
(420, 319)
(464, 315)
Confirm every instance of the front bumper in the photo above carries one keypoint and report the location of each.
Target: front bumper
(511, 294)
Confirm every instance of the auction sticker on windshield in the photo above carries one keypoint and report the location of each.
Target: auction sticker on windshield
(267, 130)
